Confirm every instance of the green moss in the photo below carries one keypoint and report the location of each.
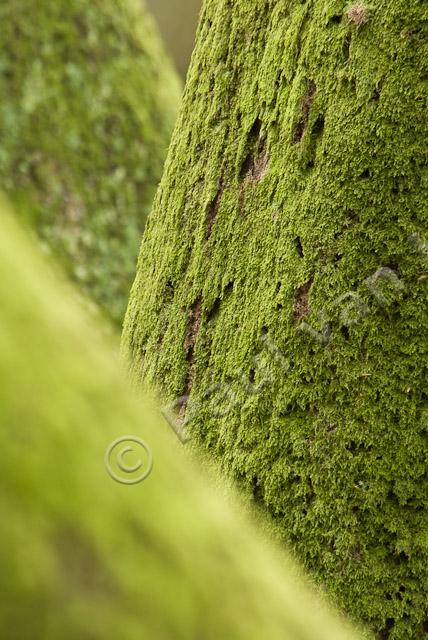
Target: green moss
(297, 171)
(88, 103)
(83, 557)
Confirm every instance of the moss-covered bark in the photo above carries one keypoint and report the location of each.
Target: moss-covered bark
(88, 101)
(282, 284)
(82, 557)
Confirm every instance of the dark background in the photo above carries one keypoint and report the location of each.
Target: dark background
(177, 20)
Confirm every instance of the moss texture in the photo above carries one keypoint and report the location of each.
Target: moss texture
(83, 557)
(282, 284)
(88, 101)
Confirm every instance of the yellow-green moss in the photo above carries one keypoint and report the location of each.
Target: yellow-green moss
(298, 169)
(88, 101)
(83, 557)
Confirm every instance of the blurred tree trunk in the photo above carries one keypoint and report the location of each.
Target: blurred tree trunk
(281, 297)
(89, 100)
(82, 557)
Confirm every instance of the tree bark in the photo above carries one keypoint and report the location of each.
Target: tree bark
(281, 296)
(88, 105)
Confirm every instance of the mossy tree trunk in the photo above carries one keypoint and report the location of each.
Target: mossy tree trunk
(88, 104)
(281, 297)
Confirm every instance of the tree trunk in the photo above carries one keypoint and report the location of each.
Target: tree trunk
(281, 296)
(88, 104)
(82, 557)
